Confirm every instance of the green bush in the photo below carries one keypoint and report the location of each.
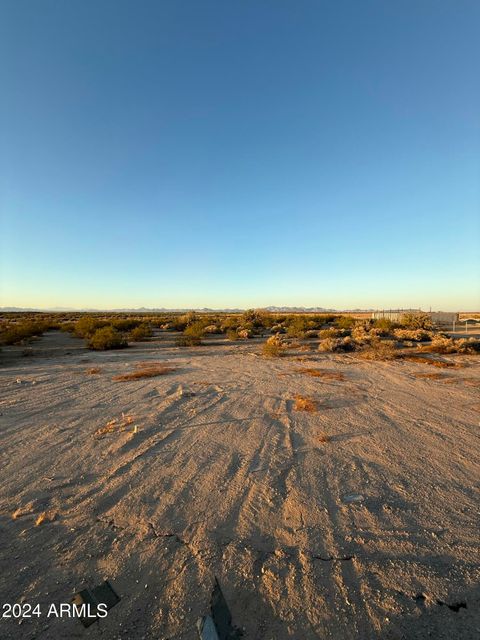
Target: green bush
(297, 326)
(188, 341)
(106, 338)
(87, 326)
(142, 332)
(15, 332)
(196, 329)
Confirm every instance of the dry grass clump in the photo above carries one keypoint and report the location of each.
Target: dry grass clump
(322, 373)
(337, 344)
(148, 371)
(379, 350)
(93, 371)
(434, 376)
(415, 335)
(323, 437)
(46, 516)
(303, 403)
(23, 511)
(443, 344)
(115, 425)
(441, 364)
(274, 347)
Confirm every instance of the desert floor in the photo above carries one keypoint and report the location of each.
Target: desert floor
(224, 477)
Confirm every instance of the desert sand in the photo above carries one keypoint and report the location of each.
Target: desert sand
(161, 484)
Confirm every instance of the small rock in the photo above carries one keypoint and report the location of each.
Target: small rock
(353, 497)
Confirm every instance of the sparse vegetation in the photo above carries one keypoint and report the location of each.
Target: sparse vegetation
(18, 332)
(441, 343)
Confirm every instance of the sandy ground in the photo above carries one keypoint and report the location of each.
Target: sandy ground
(223, 477)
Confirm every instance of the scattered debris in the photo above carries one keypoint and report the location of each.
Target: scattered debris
(217, 625)
(103, 594)
(115, 425)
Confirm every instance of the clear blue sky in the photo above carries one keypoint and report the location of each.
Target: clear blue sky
(240, 153)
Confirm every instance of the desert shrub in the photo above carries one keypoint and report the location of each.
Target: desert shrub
(278, 328)
(415, 335)
(68, 327)
(361, 334)
(212, 328)
(106, 338)
(385, 324)
(345, 322)
(444, 344)
(232, 334)
(195, 329)
(297, 326)
(256, 318)
(274, 347)
(87, 326)
(311, 333)
(141, 332)
(230, 323)
(330, 333)
(416, 321)
(126, 324)
(244, 334)
(379, 350)
(337, 344)
(180, 323)
(188, 341)
(325, 319)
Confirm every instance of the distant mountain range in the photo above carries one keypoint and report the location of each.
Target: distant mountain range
(274, 309)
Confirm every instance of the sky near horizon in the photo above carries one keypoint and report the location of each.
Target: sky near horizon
(240, 153)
